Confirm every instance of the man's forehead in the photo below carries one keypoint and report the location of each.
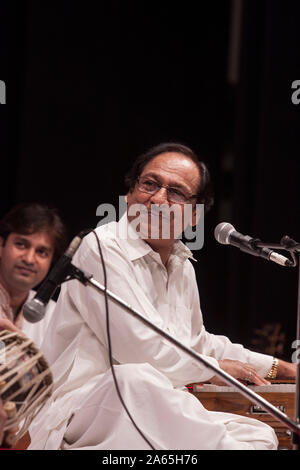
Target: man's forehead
(37, 238)
(174, 165)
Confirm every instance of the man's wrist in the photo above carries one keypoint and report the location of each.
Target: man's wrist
(272, 374)
(286, 369)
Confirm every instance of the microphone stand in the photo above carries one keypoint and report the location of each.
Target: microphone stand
(87, 280)
(293, 247)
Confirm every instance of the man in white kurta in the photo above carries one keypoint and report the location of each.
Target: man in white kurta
(85, 411)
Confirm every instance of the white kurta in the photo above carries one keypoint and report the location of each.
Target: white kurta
(85, 411)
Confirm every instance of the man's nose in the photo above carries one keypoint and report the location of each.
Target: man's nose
(160, 197)
(29, 256)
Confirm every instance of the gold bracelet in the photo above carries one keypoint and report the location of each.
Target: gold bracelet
(273, 371)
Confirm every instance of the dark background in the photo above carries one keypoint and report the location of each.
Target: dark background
(90, 88)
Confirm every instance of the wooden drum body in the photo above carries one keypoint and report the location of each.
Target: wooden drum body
(25, 383)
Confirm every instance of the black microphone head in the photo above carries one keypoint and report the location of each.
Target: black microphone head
(34, 310)
(223, 231)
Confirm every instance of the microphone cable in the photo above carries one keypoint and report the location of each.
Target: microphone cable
(110, 348)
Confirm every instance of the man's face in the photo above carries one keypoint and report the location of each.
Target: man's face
(25, 260)
(176, 171)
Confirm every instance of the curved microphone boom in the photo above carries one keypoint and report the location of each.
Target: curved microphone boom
(226, 234)
(35, 309)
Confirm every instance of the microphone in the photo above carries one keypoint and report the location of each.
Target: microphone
(226, 234)
(35, 309)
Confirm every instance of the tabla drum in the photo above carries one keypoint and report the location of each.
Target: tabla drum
(26, 383)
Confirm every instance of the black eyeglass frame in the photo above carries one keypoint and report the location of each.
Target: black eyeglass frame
(167, 187)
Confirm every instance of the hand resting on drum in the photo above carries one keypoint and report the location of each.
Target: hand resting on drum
(6, 324)
(2, 420)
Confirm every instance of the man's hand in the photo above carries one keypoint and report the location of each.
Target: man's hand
(2, 420)
(6, 324)
(239, 370)
(286, 369)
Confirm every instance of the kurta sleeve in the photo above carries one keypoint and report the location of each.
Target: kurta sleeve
(218, 346)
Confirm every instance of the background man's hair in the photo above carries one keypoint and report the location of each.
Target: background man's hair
(27, 218)
(205, 192)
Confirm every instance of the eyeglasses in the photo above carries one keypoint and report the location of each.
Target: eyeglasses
(149, 186)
